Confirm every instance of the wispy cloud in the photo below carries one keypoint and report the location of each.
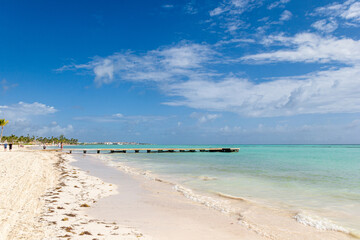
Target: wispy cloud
(189, 75)
(346, 13)
(332, 91)
(118, 117)
(325, 25)
(168, 6)
(204, 117)
(308, 47)
(285, 15)
(279, 3)
(237, 41)
(229, 12)
(5, 85)
(161, 65)
(348, 10)
(190, 7)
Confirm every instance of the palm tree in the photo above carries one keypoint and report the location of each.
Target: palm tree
(3, 122)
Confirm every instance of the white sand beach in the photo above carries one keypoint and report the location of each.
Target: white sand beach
(43, 197)
(51, 195)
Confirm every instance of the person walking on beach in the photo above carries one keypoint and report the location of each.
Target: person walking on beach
(5, 146)
(10, 146)
(62, 145)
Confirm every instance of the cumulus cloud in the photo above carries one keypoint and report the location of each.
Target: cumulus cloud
(22, 110)
(53, 130)
(22, 121)
(308, 47)
(331, 91)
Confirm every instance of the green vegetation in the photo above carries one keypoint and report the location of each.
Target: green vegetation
(33, 140)
(36, 140)
(3, 123)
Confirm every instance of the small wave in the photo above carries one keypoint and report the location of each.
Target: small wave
(319, 223)
(230, 196)
(206, 178)
(221, 206)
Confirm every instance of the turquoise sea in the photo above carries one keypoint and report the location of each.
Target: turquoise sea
(321, 180)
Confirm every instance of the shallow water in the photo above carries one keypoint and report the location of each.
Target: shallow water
(317, 181)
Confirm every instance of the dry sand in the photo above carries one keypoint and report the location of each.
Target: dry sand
(43, 197)
(24, 178)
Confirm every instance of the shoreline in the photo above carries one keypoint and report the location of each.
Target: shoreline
(254, 217)
(91, 197)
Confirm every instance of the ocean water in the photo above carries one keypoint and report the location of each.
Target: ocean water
(320, 180)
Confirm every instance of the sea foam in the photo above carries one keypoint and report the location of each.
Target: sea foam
(319, 223)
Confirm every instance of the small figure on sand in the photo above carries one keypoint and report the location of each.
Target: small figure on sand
(5, 146)
(61, 145)
(10, 146)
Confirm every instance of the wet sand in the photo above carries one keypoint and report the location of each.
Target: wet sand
(156, 209)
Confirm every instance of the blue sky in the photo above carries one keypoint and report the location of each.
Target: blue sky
(191, 71)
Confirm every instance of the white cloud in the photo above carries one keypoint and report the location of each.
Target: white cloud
(217, 11)
(5, 85)
(232, 130)
(348, 10)
(167, 6)
(22, 110)
(308, 47)
(229, 12)
(118, 117)
(354, 124)
(190, 7)
(202, 118)
(237, 41)
(285, 15)
(161, 65)
(54, 130)
(185, 73)
(280, 3)
(325, 25)
(332, 91)
(21, 120)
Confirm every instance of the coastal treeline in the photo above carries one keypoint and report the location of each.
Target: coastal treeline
(37, 140)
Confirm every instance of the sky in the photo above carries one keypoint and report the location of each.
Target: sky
(182, 72)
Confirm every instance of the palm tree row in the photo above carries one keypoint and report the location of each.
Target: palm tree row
(33, 139)
(36, 140)
(3, 123)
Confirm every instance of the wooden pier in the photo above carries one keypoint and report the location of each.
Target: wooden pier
(147, 150)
